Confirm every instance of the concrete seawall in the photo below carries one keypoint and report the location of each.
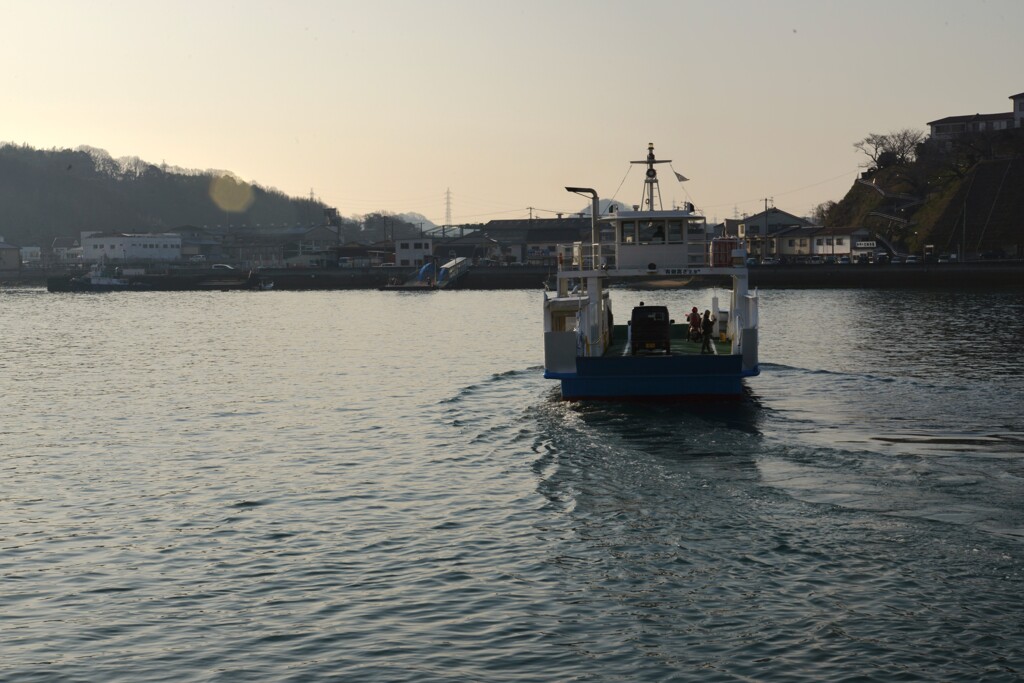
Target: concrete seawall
(998, 275)
(981, 275)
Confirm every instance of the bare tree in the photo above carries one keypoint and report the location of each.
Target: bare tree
(872, 146)
(903, 143)
(896, 147)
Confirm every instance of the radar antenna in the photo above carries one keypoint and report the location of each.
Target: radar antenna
(651, 181)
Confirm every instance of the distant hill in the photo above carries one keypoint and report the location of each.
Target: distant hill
(59, 193)
(971, 192)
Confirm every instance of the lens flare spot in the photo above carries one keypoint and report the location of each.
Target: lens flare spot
(230, 194)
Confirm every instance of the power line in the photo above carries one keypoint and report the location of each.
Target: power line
(780, 194)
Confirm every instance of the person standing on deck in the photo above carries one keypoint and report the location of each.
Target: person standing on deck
(694, 319)
(707, 327)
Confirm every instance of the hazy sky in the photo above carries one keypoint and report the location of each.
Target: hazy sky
(384, 105)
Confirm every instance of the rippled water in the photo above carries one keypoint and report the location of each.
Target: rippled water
(296, 486)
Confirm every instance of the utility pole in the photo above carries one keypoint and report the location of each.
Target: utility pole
(765, 235)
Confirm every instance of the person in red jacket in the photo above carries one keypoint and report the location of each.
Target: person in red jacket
(694, 320)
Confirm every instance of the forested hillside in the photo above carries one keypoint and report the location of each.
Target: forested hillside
(59, 193)
(966, 194)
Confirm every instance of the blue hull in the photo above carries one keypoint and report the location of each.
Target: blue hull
(683, 377)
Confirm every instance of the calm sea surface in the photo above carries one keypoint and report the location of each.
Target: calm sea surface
(372, 486)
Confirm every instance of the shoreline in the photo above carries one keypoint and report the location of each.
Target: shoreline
(975, 275)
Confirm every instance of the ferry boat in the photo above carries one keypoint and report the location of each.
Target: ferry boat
(652, 357)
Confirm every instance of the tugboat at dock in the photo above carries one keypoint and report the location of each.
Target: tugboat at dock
(102, 277)
(652, 357)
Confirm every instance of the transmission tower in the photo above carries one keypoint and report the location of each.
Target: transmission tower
(447, 210)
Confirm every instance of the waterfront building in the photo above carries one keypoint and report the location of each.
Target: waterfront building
(525, 240)
(413, 251)
(757, 232)
(31, 255)
(66, 250)
(945, 130)
(803, 243)
(120, 246)
(10, 258)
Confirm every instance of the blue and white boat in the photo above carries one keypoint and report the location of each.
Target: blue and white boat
(653, 357)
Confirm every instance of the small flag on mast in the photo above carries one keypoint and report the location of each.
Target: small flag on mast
(680, 177)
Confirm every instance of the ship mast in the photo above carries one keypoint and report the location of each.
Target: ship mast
(651, 181)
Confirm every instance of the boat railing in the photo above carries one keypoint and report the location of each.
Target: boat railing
(716, 253)
(580, 256)
(603, 255)
(586, 256)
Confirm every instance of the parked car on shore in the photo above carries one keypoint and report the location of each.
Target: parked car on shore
(844, 260)
(912, 260)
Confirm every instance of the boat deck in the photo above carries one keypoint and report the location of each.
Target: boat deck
(680, 344)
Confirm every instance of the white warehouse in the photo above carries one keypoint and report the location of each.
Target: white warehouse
(119, 246)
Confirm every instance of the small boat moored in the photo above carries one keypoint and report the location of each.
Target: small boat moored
(652, 357)
(431, 277)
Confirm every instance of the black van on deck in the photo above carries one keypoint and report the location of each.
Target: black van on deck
(650, 329)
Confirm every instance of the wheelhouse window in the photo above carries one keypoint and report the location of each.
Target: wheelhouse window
(628, 232)
(652, 232)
